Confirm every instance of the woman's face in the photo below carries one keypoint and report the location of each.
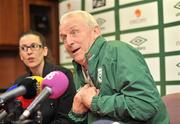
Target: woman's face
(31, 50)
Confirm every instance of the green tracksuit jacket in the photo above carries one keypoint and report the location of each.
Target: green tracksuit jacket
(128, 92)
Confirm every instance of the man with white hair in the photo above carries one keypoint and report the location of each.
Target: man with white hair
(112, 78)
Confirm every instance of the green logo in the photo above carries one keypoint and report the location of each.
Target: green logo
(177, 6)
(138, 40)
(178, 65)
(100, 21)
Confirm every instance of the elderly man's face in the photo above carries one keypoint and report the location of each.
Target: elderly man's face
(77, 37)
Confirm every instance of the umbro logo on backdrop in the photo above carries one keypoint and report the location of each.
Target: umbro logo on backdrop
(138, 40)
(178, 64)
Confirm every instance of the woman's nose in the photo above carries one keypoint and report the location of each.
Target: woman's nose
(29, 51)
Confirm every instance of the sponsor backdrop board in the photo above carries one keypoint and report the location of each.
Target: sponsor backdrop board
(172, 38)
(69, 5)
(143, 41)
(124, 2)
(138, 16)
(110, 38)
(172, 67)
(171, 9)
(151, 26)
(172, 88)
(106, 21)
(64, 56)
(154, 67)
(97, 5)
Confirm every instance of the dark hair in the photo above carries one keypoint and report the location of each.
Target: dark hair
(41, 37)
(49, 57)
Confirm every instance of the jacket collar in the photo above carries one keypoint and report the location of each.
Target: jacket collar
(47, 67)
(95, 48)
(93, 51)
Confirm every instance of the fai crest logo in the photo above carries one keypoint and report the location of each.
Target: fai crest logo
(99, 75)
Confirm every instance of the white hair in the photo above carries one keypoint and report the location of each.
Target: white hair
(91, 21)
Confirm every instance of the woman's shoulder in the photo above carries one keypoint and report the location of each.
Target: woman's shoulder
(20, 78)
(49, 67)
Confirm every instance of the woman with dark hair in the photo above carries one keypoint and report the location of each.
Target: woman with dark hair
(33, 52)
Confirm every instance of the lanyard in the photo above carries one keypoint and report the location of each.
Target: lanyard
(87, 77)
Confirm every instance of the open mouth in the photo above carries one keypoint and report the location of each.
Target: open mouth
(30, 59)
(74, 51)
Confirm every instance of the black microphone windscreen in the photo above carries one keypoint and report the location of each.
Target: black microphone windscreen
(31, 88)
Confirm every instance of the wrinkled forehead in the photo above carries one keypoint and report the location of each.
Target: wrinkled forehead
(72, 19)
(72, 23)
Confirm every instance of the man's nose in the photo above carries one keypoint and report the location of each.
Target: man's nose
(69, 40)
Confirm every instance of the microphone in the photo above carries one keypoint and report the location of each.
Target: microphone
(3, 114)
(27, 88)
(54, 85)
(38, 83)
(26, 101)
(12, 87)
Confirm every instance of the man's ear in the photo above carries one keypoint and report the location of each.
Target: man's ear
(97, 31)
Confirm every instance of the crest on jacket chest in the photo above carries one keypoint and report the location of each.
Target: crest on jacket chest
(99, 74)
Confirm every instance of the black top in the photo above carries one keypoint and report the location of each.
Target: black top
(55, 111)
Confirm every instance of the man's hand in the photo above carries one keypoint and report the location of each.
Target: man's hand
(82, 100)
(78, 107)
(87, 94)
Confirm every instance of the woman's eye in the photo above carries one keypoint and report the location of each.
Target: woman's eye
(23, 48)
(32, 46)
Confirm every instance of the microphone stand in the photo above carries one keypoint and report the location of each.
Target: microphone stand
(35, 118)
(10, 110)
(38, 117)
(3, 114)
